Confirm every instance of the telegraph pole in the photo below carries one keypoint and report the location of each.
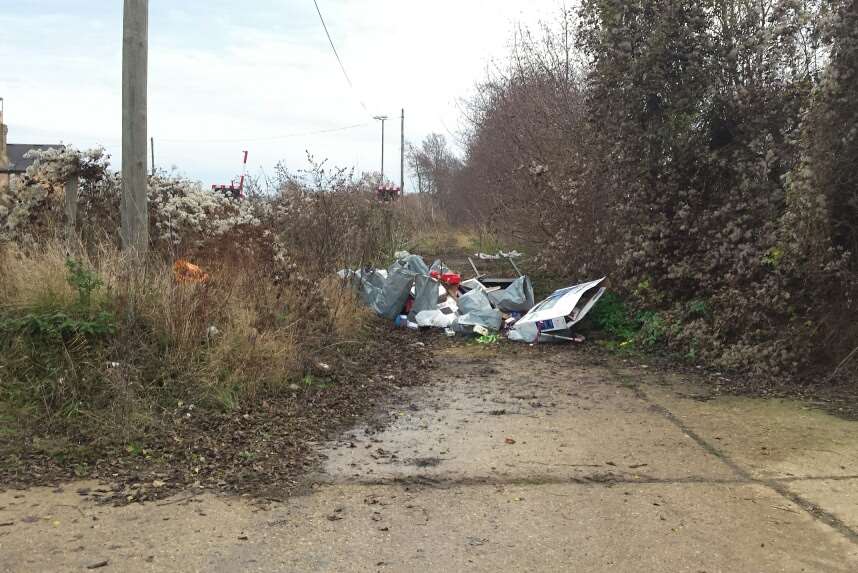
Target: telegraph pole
(382, 119)
(152, 153)
(402, 156)
(135, 51)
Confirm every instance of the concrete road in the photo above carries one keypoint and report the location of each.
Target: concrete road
(531, 462)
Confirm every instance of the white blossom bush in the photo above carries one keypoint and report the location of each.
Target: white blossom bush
(182, 212)
(33, 202)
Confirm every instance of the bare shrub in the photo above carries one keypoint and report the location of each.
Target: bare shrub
(697, 152)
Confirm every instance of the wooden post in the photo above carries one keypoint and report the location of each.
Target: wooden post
(71, 212)
(135, 38)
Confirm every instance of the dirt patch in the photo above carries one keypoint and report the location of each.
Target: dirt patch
(261, 450)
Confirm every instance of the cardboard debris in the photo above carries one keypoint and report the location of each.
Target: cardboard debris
(558, 313)
(415, 295)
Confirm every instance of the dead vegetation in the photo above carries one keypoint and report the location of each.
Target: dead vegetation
(699, 154)
(109, 365)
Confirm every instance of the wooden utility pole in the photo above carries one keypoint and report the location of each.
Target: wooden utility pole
(152, 153)
(71, 191)
(135, 48)
(402, 156)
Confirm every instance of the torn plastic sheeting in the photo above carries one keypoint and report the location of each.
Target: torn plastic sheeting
(475, 309)
(368, 282)
(517, 297)
(558, 312)
(426, 295)
(413, 263)
(394, 293)
(434, 318)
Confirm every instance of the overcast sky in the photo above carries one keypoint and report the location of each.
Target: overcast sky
(229, 75)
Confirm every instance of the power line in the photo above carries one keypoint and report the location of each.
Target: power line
(342, 67)
(268, 138)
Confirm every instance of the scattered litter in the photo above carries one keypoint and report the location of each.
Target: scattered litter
(509, 441)
(435, 318)
(416, 296)
(488, 339)
(500, 255)
(98, 565)
(189, 273)
(481, 330)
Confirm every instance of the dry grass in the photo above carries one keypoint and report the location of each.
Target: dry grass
(347, 312)
(222, 344)
(39, 281)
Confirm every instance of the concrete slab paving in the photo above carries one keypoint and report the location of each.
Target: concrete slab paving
(525, 463)
(836, 496)
(651, 528)
(770, 438)
(574, 424)
(557, 527)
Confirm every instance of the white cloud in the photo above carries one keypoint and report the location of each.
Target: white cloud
(254, 70)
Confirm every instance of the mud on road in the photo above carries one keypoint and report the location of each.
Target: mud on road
(530, 459)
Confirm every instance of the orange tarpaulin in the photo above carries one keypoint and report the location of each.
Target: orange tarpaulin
(187, 272)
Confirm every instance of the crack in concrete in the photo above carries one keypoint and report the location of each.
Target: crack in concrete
(776, 485)
(608, 480)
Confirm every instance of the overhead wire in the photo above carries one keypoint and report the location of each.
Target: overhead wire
(267, 138)
(337, 55)
(290, 135)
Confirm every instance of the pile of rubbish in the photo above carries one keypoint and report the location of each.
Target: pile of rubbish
(417, 296)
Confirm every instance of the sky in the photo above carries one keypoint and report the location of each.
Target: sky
(258, 75)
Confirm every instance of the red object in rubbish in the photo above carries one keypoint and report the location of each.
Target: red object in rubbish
(451, 279)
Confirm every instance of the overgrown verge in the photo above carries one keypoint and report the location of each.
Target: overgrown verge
(215, 359)
(701, 155)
